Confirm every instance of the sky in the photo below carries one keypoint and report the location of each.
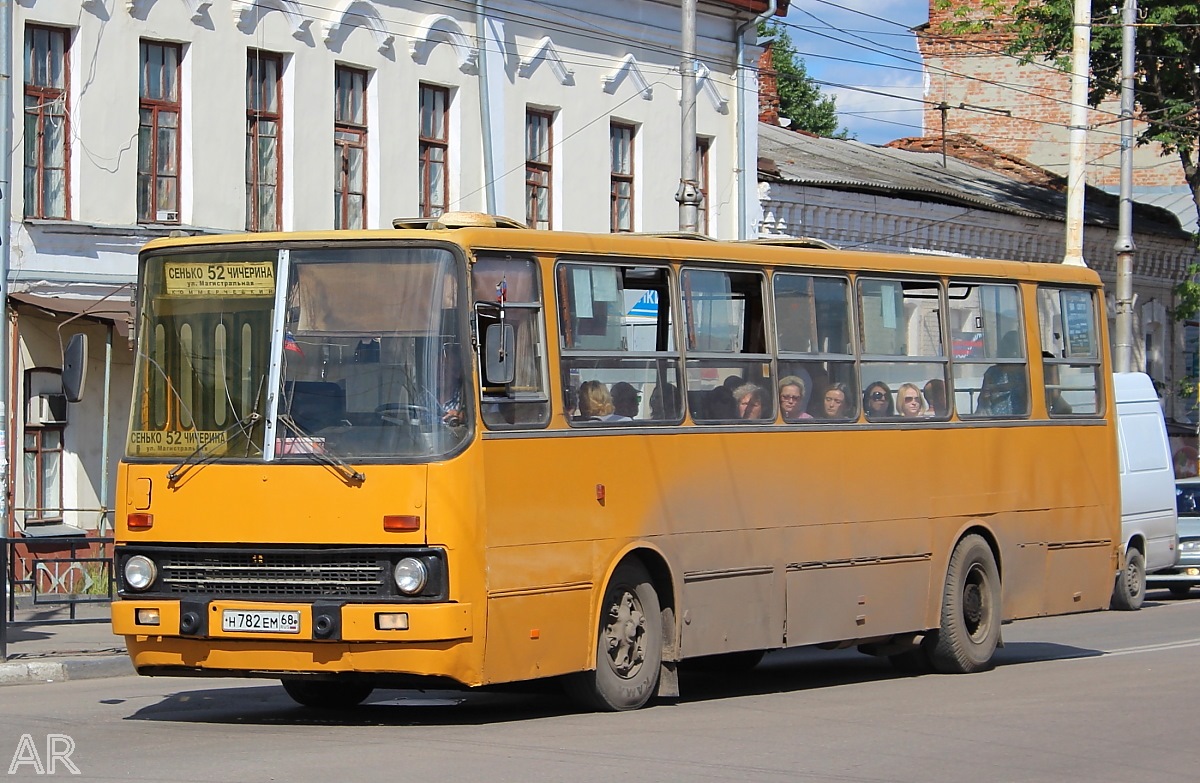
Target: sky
(861, 52)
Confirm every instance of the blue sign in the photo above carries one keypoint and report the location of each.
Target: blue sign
(647, 306)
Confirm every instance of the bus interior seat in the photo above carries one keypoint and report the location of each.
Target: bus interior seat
(316, 405)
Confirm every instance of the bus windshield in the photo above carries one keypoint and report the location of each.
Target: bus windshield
(365, 360)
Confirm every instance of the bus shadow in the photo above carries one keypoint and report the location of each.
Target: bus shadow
(782, 671)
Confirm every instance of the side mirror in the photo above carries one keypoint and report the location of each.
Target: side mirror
(500, 343)
(74, 371)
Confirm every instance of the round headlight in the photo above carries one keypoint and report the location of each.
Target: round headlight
(410, 575)
(140, 572)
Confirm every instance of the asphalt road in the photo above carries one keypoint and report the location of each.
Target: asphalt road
(1099, 697)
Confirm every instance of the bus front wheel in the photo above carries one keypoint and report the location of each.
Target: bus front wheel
(969, 632)
(325, 695)
(628, 645)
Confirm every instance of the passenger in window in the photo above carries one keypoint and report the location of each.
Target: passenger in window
(570, 406)
(836, 402)
(626, 399)
(750, 401)
(595, 403)
(719, 403)
(912, 403)
(1054, 399)
(877, 401)
(935, 398)
(791, 398)
(664, 402)
(1004, 391)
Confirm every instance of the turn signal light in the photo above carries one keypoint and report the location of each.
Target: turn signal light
(401, 523)
(140, 520)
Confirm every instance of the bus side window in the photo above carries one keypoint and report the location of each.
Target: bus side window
(507, 287)
(1071, 358)
(727, 347)
(618, 344)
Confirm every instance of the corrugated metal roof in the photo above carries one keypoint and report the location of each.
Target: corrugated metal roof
(844, 164)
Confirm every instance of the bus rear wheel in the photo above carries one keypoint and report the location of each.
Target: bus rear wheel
(628, 645)
(1130, 589)
(326, 695)
(969, 632)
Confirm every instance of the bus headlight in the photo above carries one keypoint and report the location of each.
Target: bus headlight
(140, 572)
(410, 575)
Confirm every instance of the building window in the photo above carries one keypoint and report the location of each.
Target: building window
(621, 201)
(43, 474)
(435, 150)
(158, 133)
(537, 168)
(264, 124)
(702, 147)
(46, 124)
(350, 148)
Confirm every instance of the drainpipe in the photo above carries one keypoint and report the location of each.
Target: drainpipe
(747, 159)
(485, 109)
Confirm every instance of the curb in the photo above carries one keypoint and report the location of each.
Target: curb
(89, 667)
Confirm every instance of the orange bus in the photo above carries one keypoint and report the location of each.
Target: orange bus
(465, 452)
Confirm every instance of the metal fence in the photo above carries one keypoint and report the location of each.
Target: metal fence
(53, 575)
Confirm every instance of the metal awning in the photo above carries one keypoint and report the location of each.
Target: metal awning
(52, 530)
(115, 310)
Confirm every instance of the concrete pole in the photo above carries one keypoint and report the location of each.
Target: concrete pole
(1081, 38)
(688, 194)
(1124, 244)
(6, 138)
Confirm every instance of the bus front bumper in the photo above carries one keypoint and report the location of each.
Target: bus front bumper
(269, 622)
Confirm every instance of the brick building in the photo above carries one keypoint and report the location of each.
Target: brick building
(1024, 111)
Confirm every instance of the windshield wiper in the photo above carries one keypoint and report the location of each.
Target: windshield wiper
(326, 456)
(249, 420)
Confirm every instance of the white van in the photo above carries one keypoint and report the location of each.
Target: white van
(1149, 525)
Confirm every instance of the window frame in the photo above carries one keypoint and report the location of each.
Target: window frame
(256, 117)
(625, 135)
(37, 513)
(539, 169)
(148, 181)
(349, 133)
(428, 144)
(792, 359)
(703, 148)
(46, 96)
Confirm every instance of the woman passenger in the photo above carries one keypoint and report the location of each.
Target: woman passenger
(836, 402)
(749, 401)
(877, 401)
(912, 403)
(595, 403)
(791, 398)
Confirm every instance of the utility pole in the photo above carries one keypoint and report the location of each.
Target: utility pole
(688, 194)
(6, 136)
(1124, 244)
(1081, 38)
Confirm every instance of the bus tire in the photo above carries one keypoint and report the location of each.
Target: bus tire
(1130, 589)
(628, 645)
(969, 632)
(326, 695)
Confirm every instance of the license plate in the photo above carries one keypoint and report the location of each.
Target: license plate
(260, 621)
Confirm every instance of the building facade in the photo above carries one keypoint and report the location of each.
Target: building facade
(142, 118)
(1023, 109)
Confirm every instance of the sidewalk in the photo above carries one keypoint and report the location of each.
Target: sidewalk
(50, 652)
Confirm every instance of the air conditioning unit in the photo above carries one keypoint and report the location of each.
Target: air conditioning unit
(166, 216)
(46, 409)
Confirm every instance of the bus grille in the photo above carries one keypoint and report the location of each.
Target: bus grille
(260, 574)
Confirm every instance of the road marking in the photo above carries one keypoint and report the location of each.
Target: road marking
(1155, 647)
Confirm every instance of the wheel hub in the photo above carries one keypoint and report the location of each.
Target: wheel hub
(625, 634)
